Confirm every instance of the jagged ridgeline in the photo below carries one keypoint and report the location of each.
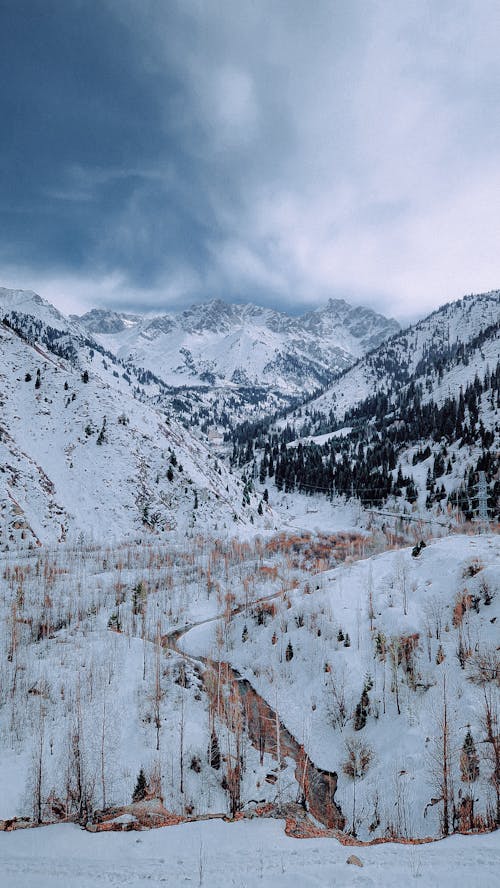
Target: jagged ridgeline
(418, 419)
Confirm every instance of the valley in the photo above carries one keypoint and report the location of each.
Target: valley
(290, 625)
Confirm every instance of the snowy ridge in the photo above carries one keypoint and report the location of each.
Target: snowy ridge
(226, 344)
(397, 361)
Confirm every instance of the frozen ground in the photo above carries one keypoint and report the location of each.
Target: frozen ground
(245, 855)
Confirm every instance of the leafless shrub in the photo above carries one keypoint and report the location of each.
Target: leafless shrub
(484, 667)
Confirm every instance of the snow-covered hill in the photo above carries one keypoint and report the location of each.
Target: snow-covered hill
(412, 424)
(367, 661)
(103, 657)
(219, 363)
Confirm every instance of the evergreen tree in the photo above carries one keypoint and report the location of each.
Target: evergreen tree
(214, 752)
(469, 760)
(141, 787)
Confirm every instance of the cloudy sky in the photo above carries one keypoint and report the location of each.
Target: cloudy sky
(160, 152)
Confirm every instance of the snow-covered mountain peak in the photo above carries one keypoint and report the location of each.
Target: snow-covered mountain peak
(101, 320)
(30, 303)
(226, 344)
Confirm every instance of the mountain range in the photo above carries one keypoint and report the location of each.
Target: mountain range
(239, 346)
(365, 430)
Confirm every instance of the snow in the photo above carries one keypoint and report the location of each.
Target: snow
(407, 593)
(74, 643)
(254, 854)
(57, 483)
(322, 439)
(459, 321)
(246, 343)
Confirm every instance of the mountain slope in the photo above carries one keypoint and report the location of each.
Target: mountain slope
(410, 353)
(418, 419)
(80, 455)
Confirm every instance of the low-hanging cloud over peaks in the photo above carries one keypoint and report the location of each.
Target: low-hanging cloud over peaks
(161, 153)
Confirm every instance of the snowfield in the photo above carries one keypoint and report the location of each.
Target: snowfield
(254, 854)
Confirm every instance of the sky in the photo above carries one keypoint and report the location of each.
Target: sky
(156, 153)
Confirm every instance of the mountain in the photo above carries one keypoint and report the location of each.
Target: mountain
(83, 455)
(245, 353)
(412, 423)
(415, 352)
(30, 303)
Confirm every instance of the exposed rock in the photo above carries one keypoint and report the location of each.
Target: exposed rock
(355, 860)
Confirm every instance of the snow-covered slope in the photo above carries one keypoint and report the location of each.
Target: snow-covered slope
(100, 657)
(412, 424)
(367, 657)
(30, 303)
(219, 364)
(79, 455)
(409, 354)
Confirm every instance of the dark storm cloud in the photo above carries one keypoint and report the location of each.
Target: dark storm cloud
(154, 152)
(83, 144)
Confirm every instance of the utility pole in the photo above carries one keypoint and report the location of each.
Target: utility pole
(482, 504)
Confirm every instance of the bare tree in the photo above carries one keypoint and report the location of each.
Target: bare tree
(491, 744)
(158, 692)
(371, 611)
(394, 649)
(38, 762)
(102, 755)
(441, 768)
(359, 757)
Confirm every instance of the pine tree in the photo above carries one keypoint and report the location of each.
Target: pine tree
(214, 752)
(469, 760)
(141, 787)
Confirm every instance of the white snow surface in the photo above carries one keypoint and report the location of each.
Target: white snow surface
(254, 854)
(58, 483)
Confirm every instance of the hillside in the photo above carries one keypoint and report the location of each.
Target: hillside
(82, 457)
(414, 421)
(217, 364)
(422, 350)
(115, 659)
